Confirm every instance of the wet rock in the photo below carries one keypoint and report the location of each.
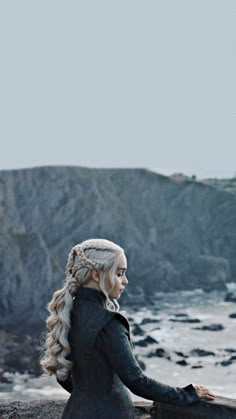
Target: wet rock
(19, 354)
(232, 315)
(22, 360)
(137, 330)
(159, 352)
(146, 321)
(155, 309)
(231, 296)
(146, 341)
(201, 352)
(155, 328)
(196, 366)
(225, 363)
(141, 343)
(182, 362)
(130, 319)
(210, 327)
(185, 320)
(3, 377)
(181, 354)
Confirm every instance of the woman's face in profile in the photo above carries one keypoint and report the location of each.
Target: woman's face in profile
(120, 279)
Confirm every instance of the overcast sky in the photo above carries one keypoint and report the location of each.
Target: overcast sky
(123, 83)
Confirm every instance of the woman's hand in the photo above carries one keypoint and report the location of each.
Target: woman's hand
(204, 393)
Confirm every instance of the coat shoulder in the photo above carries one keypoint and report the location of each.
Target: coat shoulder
(123, 319)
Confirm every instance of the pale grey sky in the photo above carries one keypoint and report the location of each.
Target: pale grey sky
(124, 83)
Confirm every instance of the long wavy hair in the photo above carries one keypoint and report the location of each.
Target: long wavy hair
(100, 254)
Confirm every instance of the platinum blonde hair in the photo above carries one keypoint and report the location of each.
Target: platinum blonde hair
(100, 254)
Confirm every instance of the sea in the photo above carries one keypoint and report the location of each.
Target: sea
(191, 354)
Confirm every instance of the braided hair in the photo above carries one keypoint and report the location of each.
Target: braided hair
(100, 254)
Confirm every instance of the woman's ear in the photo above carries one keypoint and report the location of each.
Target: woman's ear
(95, 275)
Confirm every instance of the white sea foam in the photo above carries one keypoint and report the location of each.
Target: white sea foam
(231, 286)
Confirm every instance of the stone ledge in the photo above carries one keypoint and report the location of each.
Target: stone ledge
(52, 409)
(221, 408)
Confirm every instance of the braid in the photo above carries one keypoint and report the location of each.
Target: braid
(88, 262)
(76, 263)
(70, 261)
(72, 284)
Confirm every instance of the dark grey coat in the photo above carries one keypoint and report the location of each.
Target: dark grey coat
(105, 366)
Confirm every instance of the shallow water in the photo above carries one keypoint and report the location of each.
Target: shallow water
(172, 336)
(177, 336)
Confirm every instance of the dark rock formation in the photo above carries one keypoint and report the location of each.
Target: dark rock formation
(211, 327)
(231, 296)
(201, 352)
(177, 235)
(232, 315)
(137, 330)
(159, 352)
(19, 354)
(181, 354)
(228, 361)
(130, 319)
(197, 366)
(182, 362)
(146, 321)
(146, 341)
(225, 362)
(185, 320)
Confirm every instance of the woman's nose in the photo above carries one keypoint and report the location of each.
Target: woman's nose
(125, 281)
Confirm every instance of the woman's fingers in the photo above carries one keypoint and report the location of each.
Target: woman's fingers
(204, 393)
(209, 396)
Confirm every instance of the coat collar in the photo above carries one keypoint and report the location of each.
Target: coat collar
(102, 316)
(92, 294)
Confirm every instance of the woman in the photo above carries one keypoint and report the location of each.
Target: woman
(88, 345)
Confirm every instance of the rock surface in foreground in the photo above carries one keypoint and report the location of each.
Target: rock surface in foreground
(221, 408)
(49, 409)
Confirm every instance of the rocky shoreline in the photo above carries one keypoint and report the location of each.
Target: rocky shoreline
(20, 353)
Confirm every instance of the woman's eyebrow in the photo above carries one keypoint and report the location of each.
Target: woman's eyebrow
(121, 269)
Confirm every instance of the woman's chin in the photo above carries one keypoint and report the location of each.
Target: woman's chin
(116, 297)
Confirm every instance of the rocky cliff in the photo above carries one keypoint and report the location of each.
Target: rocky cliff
(177, 235)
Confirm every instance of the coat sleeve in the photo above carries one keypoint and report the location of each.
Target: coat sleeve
(113, 341)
